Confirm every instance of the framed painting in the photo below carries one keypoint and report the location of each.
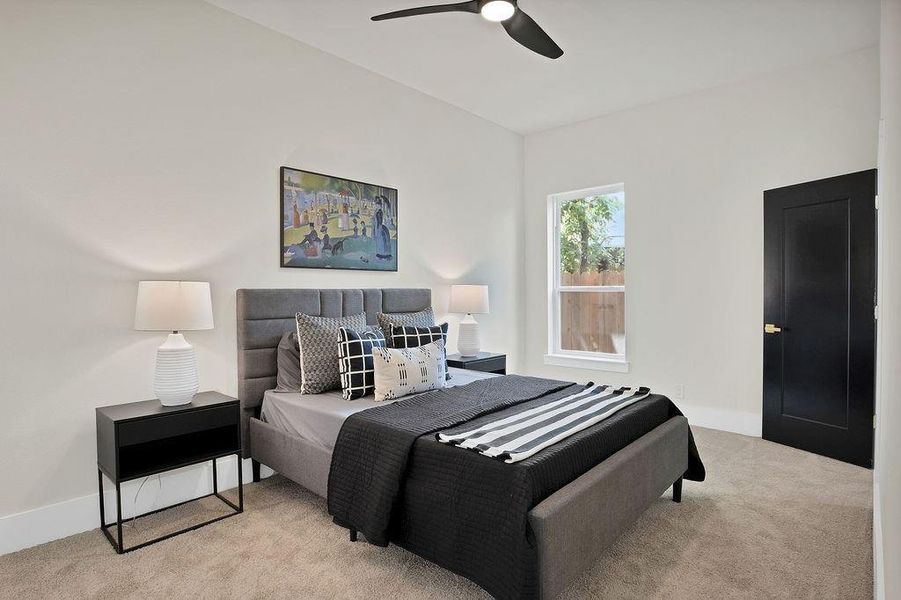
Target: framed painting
(334, 223)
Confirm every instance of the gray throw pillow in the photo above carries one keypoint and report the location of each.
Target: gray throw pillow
(288, 358)
(318, 343)
(423, 318)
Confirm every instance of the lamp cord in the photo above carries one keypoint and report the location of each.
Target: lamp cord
(134, 504)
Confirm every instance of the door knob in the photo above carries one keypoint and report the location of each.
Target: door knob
(770, 328)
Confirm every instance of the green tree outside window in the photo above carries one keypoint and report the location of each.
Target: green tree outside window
(585, 242)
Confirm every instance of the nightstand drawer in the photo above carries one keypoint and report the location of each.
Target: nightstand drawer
(490, 365)
(177, 424)
(486, 362)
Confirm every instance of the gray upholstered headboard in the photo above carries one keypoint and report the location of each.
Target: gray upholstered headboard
(264, 315)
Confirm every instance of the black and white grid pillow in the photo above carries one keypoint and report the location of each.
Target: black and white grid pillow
(355, 360)
(423, 318)
(403, 336)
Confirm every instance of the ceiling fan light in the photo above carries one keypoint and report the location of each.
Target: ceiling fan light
(498, 10)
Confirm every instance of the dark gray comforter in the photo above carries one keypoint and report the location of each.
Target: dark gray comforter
(393, 481)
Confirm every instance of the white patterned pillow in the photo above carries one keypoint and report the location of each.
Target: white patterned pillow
(317, 338)
(403, 371)
(411, 337)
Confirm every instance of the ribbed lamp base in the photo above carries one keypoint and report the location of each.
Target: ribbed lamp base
(468, 340)
(175, 381)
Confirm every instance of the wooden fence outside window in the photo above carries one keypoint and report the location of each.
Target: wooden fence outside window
(593, 321)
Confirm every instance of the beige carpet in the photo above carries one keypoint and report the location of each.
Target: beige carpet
(769, 522)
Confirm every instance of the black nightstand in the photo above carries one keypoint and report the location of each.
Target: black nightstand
(146, 438)
(483, 361)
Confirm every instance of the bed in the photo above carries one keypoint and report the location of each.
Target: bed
(564, 531)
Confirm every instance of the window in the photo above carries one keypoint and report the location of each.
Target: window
(587, 286)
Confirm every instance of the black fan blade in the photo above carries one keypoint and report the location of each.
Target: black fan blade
(527, 32)
(471, 7)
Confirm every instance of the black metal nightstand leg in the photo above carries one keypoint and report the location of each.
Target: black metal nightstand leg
(120, 547)
(240, 483)
(104, 528)
(239, 507)
(100, 496)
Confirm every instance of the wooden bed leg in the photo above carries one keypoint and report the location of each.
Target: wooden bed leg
(677, 490)
(353, 535)
(255, 467)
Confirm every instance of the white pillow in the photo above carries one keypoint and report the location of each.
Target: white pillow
(403, 371)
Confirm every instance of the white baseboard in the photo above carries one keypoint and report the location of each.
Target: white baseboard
(745, 423)
(878, 585)
(48, 523)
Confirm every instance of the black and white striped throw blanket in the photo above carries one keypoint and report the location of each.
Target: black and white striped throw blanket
(518, 436)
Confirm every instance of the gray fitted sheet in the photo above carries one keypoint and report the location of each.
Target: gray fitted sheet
(318, 418)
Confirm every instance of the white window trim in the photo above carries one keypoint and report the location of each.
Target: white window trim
(600, 361)
(593, 362)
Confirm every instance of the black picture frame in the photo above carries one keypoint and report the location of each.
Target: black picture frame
(358, 245)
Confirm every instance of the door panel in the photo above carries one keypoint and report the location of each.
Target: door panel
(820, 270)
(815, 355)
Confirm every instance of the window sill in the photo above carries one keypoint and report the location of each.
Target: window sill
(587, 362)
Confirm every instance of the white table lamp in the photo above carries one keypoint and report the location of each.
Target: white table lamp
(174, 306)
(469, 299)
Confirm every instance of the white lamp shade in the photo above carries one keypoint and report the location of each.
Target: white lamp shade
(173, 306)
(470, 299)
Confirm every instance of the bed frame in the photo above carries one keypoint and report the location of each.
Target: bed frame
(572, 526)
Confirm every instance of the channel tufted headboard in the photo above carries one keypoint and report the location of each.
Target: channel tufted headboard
(264, 315)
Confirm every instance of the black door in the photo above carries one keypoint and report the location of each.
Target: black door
(819, 345)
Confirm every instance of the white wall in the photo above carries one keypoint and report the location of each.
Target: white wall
(887, 496)
(143, 140)
(695, 169)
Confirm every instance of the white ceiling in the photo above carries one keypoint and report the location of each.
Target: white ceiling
(618, 53)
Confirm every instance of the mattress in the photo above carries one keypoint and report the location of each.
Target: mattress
(318, 418)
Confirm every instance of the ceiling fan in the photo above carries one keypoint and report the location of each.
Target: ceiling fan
(518, 24)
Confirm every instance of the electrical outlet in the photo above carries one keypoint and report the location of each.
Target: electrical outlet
(679, 392)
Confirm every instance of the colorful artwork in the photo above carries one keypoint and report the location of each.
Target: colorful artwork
(333, 223)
